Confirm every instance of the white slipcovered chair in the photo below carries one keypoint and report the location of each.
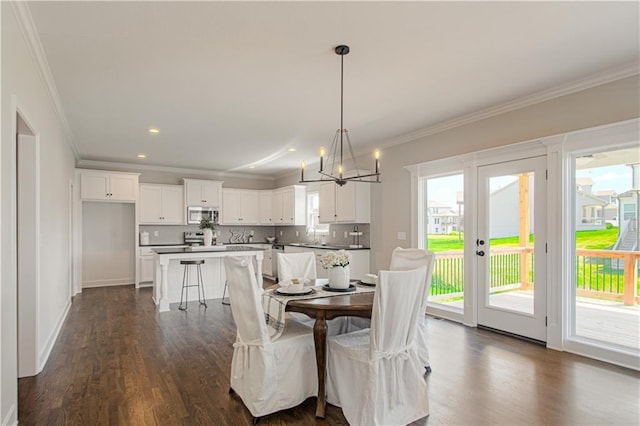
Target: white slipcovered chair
(403, 259)
(296, 265)
(375, 374)
(268, 375)
(410, 258)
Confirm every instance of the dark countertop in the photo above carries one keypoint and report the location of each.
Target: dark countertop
(227, 249)
(325, 247)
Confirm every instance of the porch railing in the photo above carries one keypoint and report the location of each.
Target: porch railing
(607, 274)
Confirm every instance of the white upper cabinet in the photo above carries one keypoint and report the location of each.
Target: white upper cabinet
(265, 217)
(202, 193)
(161, 204)
(350, 203)
(288, 205)
(240, 206)
(98, 185)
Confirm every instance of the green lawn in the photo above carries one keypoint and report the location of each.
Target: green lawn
(594, 274)
(594, 240)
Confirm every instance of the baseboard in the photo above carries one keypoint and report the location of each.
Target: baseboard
(108, 283)
(44, 354)
(10, 419)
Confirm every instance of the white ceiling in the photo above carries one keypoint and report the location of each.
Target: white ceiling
(231, 84)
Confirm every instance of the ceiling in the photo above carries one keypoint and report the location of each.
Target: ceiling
(234, 84)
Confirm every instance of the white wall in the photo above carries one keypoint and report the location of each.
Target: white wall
(22, 84)
(108, 244)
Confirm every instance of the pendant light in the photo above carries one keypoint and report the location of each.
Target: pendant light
(332, 169)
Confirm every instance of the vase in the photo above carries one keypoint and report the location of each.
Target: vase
(208, 236)
(339, 277)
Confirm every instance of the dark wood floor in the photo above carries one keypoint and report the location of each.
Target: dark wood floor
(117, 361)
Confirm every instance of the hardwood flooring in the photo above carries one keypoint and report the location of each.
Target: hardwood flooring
(117, 361)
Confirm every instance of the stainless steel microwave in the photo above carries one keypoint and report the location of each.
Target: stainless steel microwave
(196, 214)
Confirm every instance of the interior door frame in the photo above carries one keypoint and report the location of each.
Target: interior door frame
(532, 326)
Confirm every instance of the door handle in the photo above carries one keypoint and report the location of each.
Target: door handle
(480, 253)
(479, 242)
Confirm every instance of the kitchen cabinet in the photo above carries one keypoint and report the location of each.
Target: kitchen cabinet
(96, 185)
(202, 193)
(289, 205)
(161, 204)
(146, 264)
(240, 206)
(265, 216)
(359, 265)
(350, 203)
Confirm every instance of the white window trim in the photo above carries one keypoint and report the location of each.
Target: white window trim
(559, 150)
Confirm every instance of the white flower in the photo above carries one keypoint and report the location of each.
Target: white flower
(335, 258)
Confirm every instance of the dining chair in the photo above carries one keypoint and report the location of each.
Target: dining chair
(403, 259)
(375, 374)
(268, 375)
(296, 265)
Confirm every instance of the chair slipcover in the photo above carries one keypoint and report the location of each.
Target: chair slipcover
(268, 376)
(402, 260)
(296, 265)
(375, 375)
(410, 258)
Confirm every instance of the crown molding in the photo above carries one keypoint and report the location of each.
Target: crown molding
(30, 34)
(114, 165)
(611, 75)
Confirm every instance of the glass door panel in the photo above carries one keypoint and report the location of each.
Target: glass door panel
(511, 234)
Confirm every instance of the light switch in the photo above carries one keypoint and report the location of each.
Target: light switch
(297, 234)
(346, 234)
(402, 235)
(334, 234)
(156, 233)
(281, 233)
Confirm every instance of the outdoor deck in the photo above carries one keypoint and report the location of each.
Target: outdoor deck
(603, 320)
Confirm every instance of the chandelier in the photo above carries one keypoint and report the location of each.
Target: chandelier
(333, 169)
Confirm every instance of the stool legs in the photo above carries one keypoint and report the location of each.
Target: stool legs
(184, 292)
(223, 293)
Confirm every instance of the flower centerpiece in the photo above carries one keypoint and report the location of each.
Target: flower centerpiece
(337, 262)
(207, 227)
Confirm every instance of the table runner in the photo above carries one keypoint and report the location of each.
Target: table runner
(274, 305)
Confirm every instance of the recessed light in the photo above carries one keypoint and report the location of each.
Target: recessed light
(154, 131)
(142, 155)
(292, 150)
(252, 166)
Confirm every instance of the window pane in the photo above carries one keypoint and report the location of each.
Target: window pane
(606, 241)
(443, 225)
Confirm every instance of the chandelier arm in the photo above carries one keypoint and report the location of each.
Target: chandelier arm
(353, 156)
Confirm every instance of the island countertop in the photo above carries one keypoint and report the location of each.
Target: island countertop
(205, 249)
(169, 272)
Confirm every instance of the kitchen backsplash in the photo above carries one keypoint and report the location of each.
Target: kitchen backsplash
(173, 234)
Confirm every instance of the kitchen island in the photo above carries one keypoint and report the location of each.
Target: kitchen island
(168, 272)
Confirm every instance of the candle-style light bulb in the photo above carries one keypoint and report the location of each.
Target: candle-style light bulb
(340, 170)
(302, 170)
(321, 158)
(376, 155)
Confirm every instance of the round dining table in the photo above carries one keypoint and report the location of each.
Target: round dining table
(323, 309)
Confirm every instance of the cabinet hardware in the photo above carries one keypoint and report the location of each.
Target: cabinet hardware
(480, 253)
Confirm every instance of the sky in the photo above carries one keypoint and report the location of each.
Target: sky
(618, 178)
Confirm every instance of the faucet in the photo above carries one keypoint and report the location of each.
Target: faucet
(315, 239)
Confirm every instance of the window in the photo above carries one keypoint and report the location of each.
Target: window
(313, 215)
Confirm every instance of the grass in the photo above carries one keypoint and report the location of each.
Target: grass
(592, 240)
(592, 274)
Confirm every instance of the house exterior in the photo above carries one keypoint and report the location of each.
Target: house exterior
(442, 219)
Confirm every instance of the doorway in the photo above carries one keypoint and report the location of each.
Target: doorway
(511, 247)
(27, 244)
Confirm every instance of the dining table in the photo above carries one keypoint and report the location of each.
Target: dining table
(324, 309)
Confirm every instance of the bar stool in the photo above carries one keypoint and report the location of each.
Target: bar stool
(186, 285)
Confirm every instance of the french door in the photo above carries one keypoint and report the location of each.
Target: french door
(511, 247)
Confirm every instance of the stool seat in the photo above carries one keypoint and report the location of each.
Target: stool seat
(186, 283)
(192, 262)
